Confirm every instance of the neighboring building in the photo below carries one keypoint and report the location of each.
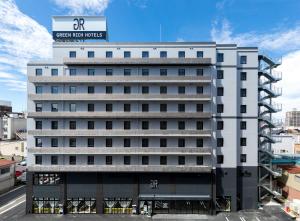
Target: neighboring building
(5, 107)
(13, 126)
(7, 175)
(285, 145)
(169, 127)
(16, 149)
(292, 119)
(290, 182)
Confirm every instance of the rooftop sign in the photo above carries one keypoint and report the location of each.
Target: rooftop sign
(78, 27)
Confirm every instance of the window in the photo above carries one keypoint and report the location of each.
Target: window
(243, 125)
(220, 74)
(145, 54)
(145, 72)
(54, 125)
(181, 54)
(181, 72)
(163, 160)
(199, 107)
(243, 59)
(91, 107)
(91, 72)
(108, 142)
(199, 54)
(72, 107)
(108, 72)
(181, 107)
(199, 72)
(243, 108)
(109, 107)
(108, 160)
(145, 142)
(54, 160)
(91, 54)
(145, 125)
(199, 125)
(243, 92)
(72, 89)
(38, 142)
(108, 125)
(199, 90)
(72, 125)
(54, 142)
(127, 89)
(90, 160)
(163, 72)
(181, 125)
(199, 160)
(145, 89)
(243, 141)
(220, 125)
(72, 142)
(54, 107)
(220, 142)
(127, 125)
(243, 76)
(145, 107)
(145, 160)
(243, 158)
(220, 57)
(109, 54)
(91, 125)
(72, 54)
(91, 89)
(126, 142)
(163, 90)
(54, 89)
(38, 89)
(181, 142)
(163, 54)
(38, 125)
(54, 72)
(90, 142)
(127, 107)
(127, 54)
(126, 160)
(163, 125)
(38, 159)
(127, 72)
(109, 89)
(38, 72)
(163, 107)
(163, 142)
(72, 72)
(181, 90)
(199, 142)
(72, 160)
(220, 159)
(181, 160)
(38, 107)
(220, 91)
(220, 108)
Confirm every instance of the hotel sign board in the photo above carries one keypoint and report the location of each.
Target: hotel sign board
(78, 28)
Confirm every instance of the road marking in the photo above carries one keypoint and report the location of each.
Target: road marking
(257, 218)
(242, 218)
(11, 191)
(226, 218)
(12, 204)
(4, 211)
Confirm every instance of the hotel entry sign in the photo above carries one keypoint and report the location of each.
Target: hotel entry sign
(79, 28)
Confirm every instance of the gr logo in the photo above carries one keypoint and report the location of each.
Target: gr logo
(78, 24)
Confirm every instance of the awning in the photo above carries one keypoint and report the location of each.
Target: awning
(173, 197)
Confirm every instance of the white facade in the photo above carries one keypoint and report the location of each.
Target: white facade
(10, 125)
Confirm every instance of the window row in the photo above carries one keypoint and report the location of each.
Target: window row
(109, 107)
(163, 160)
(220, 125)
(220, 142)
(220, 75)
(220, 92)
(220, 58)
(220, 108)
(109, 142)
(126, 89)
(144, 125)
(220, 158)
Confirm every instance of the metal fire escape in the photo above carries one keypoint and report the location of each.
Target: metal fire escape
(267, 172)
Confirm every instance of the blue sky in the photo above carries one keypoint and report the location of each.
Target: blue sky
(273, 25)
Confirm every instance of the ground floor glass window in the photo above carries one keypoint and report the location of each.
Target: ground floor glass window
(117, 205)
(81, 205)
(223, 204)
(46, 205)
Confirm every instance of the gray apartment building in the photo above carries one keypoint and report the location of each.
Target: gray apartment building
(154, 127)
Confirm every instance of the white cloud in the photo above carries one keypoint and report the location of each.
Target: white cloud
(279, 40)
(80, 7)
(21, 39)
